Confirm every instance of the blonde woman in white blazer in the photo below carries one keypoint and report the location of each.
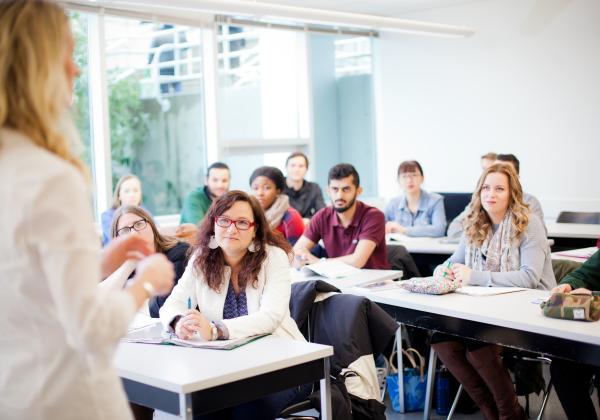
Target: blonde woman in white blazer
(238, 282)
(58, 331)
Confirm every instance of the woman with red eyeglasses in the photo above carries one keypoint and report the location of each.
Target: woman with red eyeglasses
(238, 282)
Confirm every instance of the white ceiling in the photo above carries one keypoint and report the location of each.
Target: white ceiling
(389, 8)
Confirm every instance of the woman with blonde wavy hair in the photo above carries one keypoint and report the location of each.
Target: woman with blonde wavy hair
(58, 331)
(503, 244)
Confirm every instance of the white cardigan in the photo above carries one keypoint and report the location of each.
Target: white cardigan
(268, 304)
(58, 330)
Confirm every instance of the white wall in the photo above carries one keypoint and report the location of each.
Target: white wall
(528, 83)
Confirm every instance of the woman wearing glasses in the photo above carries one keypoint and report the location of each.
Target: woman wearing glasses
(133, 220)
(238, 278)
(417, 212)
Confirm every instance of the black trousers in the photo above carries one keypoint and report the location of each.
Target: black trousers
(572, 384)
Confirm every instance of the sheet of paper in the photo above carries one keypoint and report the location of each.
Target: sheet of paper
(583, 253)
(332, 269)
(142, 321)
(487, 291)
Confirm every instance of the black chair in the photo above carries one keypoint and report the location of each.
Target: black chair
(455, 203)
(400, 259)
(588, 218)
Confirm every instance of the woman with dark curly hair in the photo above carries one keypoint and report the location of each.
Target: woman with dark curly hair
(238, 278)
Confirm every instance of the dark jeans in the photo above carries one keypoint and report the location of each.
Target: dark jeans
(265, 408)
(572, 384)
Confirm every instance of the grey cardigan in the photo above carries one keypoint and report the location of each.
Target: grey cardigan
(535, 271)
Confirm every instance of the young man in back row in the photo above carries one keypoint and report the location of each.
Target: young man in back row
(352, 231)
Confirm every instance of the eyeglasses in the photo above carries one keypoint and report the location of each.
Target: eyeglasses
(240, 224)
(137, 226)
(410, 175)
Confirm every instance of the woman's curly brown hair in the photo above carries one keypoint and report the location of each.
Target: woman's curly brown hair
(210, 263)
(478, 224)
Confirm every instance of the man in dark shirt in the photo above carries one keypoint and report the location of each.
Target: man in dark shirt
(305, 196)
(352, 231)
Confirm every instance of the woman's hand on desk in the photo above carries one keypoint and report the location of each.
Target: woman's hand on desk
(562, 288)
(462, 273)
(193, 322)
(444, 272)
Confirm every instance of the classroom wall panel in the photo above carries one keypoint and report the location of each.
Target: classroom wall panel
(528, 83)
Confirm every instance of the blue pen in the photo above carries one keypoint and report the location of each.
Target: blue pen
(189, 303)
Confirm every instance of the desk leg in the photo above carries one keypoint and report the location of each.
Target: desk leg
(326, 392)
(400, 364)
(185, 406)
(430, 380)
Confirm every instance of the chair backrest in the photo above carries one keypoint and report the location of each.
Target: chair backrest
(455, 203)
(590, 218)
(400, 259)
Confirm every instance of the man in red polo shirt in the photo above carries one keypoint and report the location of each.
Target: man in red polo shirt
(352, 231)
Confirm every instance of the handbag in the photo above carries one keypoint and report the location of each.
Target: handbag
(579, 305)
(430, 285)
(413, 379)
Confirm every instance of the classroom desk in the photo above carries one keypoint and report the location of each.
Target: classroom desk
(422, 245)
(573, 230)
(511, 320)
(572, 235)
(187, 381)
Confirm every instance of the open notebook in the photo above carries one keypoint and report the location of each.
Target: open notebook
(332, 269)
(154, 334)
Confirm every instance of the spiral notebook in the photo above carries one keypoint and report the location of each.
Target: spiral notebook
(154, 334)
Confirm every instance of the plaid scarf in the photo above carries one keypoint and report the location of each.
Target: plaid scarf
(277, 210)
(498, 252)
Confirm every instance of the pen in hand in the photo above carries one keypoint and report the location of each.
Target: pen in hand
(448, 266)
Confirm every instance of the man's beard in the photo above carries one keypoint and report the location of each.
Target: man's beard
(347, 207)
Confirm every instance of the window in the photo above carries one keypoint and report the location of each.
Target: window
(156, 108)
(81, 93)
(262, 97)
(343, 123)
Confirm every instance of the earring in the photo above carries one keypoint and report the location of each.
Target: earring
(212, 243)
(253, 247)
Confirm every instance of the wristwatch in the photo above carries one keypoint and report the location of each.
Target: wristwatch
(214, 331)
(149, 288)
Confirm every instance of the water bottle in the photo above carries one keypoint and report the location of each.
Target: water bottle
(442, 392)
